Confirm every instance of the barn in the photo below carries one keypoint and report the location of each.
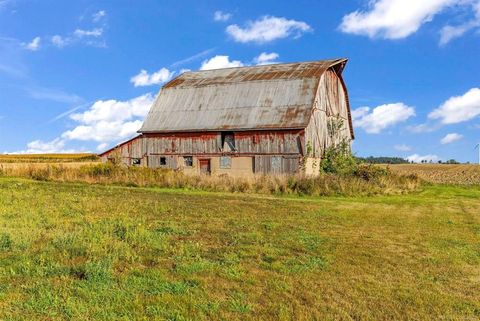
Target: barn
(271, 119)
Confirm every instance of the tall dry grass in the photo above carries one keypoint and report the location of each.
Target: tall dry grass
(367, 180)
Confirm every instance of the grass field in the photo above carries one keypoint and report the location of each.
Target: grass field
(468, 174)
(91, 252)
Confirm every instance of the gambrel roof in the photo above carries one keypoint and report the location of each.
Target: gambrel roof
(279, 96)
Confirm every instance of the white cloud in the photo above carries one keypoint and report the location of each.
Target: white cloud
(110, 120)
(99, 15)
(394, 19)
(221, 16)
(59, 41)
(381, 117)
(80, 33)
(219, 62)
(450, 138)
(402, 148)
(34, 45)
(80, 36)
(266, 58)
(419, 158)
(40, 147)
(145, 79)
(449, 32)
(459, 108)
(267, 29)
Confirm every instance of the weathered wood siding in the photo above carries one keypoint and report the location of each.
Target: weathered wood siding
(249, 142)
(278, 164)
(331, 104)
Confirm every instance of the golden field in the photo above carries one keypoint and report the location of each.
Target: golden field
(441, 173)
(48, 158)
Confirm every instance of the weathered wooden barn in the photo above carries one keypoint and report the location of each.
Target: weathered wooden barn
(243, 121)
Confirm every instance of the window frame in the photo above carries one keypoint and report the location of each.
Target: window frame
(228, 163)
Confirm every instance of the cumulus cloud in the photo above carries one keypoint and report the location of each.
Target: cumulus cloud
(145, 79)
(402, 148)
(396, 19)
(450, 138)
(375, 120)
(266, 58)
(109, 121)
(458, 109)
(426, 158)
(221, 16)
(33, 45)
(267, 29)
(219, 62)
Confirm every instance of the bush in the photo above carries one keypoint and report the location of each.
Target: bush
(338, 159)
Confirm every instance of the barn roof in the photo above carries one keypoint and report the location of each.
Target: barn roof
(279, 96)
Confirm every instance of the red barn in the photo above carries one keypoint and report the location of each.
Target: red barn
(243, 121)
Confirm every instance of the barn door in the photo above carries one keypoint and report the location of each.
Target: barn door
(205, 166)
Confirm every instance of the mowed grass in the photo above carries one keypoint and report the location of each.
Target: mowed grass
(90, 252)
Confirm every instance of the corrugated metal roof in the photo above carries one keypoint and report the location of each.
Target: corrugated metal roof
(277, 96)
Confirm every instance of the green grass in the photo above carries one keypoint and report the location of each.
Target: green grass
(91, 252)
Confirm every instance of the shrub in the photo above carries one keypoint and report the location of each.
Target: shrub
(338, 158)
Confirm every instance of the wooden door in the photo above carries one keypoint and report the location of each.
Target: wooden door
(205, 166)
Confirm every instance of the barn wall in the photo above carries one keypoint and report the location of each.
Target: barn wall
(260, 152)
(249, 142)
(331, 104)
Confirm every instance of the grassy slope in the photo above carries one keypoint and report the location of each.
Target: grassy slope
(98, 252)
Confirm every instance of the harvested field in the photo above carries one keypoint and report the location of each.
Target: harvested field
(48, 158)
(468, 174)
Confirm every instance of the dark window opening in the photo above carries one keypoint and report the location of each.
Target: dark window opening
(136, 161)
(163, 161)
(188, 161)
(228, 141)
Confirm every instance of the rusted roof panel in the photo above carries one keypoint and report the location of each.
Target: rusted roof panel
(261, 97)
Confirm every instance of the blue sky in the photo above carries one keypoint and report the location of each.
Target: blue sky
(81, 75)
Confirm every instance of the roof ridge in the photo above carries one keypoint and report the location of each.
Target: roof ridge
(338, 60)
